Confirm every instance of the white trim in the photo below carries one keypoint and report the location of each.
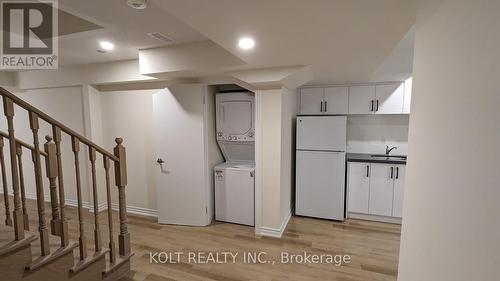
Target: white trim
(102, 206)
(275, 232)
(374, 218)
(258, 163)
(138, 210)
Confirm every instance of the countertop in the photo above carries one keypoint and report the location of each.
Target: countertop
(367, 157)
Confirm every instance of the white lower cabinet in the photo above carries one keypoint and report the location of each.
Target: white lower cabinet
(381, 190)
(359, 187)
(399, 191)
(375, 189)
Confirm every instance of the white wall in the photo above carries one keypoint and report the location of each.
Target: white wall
(129, 114)
(451, 216)
(270, 170)
(371, 133)
(66, 105)
(274, 159)
(288, 117)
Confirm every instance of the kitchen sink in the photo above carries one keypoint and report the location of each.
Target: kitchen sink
(398, 157)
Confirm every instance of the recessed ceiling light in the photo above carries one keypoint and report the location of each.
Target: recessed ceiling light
(137, 4)
(106, 45)
(246, 43)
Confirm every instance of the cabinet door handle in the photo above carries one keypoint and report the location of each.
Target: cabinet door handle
(321, 108)
(367, 171)
(392, 172)
(397, 172)
(326, 106)
(377, 106)
(371, 108)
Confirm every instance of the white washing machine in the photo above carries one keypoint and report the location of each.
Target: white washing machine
(234, 179)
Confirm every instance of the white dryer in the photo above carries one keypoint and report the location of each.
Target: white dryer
(234, 179)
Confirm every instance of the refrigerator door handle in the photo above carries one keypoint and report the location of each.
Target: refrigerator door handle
(367, 171)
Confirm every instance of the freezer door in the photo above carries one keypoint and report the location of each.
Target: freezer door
(234, 196)
(320, 184)
(328, 133)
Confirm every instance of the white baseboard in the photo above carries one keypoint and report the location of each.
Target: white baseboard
(274, 232)
(102, 206)
(138, 210)
(374, 218)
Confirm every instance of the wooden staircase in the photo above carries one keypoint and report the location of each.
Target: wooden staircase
(36, 252)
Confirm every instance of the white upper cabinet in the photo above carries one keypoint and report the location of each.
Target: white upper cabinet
(336, 100)
(407, 98)
(361, 99)
(311, 101)
(389, 98)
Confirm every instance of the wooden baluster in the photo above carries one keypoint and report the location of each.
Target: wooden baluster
(121, 182)
(83, 243)
(51, 170)
(40, 198)
(8, 220)
(56, 131)
(8, 106)
(97, 232)
(21, 182)
(110, 211)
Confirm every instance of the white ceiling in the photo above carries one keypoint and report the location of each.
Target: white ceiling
(343, 41)
(125, 27)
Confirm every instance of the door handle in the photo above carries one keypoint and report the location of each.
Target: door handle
(367, 171)
(397, 172)
(377, 106)
(321, 107)
(392, 172)
(326, 106)
(160, 161)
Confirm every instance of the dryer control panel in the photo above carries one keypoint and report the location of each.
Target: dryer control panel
(247, 137)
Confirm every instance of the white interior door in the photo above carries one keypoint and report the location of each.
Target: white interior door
(320, 184)
(178, 140)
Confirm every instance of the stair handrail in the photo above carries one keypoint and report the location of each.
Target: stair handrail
(52, 153)
(52, 121)
(22, 143)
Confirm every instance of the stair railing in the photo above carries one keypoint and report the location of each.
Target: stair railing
(54, 172)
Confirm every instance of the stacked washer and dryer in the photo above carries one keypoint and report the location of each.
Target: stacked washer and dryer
(234, 179)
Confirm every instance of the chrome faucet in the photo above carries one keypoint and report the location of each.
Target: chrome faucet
(388, 150)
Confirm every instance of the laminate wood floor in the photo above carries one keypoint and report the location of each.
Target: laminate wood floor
(373, 248)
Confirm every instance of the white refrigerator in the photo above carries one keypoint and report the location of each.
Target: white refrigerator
(320, 166)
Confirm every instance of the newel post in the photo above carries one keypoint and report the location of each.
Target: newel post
(121, 182)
